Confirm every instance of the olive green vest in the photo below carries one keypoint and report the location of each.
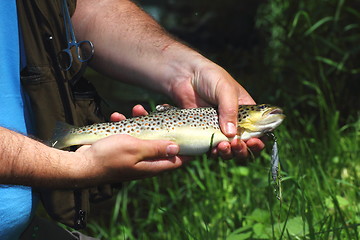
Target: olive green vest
(57, 95)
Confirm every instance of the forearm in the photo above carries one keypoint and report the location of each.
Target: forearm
(24, 161)
(131, 46)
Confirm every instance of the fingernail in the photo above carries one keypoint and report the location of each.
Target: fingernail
(172, 150)
(230, 129)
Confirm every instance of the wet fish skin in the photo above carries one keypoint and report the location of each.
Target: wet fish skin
(194, 130)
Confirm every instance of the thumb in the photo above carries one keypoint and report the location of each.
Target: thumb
(228, 111)
(155, 149)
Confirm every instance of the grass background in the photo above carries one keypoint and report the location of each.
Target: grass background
(301, 55)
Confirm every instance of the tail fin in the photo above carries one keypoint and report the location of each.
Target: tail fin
(61, 135)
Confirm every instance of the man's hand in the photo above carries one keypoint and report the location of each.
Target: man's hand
(127, 158)
(209, 84)
(121, 158)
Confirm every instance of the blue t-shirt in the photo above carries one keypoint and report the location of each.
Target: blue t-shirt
(16, 202)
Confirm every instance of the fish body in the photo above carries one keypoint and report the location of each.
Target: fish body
(195, 130)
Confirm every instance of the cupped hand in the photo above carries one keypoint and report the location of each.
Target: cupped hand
(122, 157)
(212, 85)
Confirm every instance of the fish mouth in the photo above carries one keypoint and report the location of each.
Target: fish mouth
(278, 112)
(271, 119)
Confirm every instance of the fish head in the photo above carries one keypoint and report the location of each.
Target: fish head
(259, 119)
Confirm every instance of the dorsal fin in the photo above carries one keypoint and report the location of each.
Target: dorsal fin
(165, 108)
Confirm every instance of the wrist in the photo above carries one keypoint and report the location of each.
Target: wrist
(77, 169)
(179, 64)
(83, 171)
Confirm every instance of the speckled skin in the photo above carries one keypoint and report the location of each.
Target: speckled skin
(195, 130)
(168, 120)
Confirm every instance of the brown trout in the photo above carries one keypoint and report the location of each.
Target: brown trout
(195, 130)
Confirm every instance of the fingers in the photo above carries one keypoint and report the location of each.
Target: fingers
(255, 144)
(154, 167)
(139, 110)
(234, 149)
(115, 117)
(238, 149)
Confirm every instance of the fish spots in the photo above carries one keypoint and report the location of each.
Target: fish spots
(204, 118)
(243, 113)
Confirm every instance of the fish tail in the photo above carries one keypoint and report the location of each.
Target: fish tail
(61, 135)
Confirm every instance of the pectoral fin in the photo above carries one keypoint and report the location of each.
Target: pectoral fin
(240, 130)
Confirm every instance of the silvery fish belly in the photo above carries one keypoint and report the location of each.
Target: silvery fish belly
(195, 130)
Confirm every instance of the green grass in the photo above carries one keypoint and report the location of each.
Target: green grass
(217, 199)
(309, 66)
